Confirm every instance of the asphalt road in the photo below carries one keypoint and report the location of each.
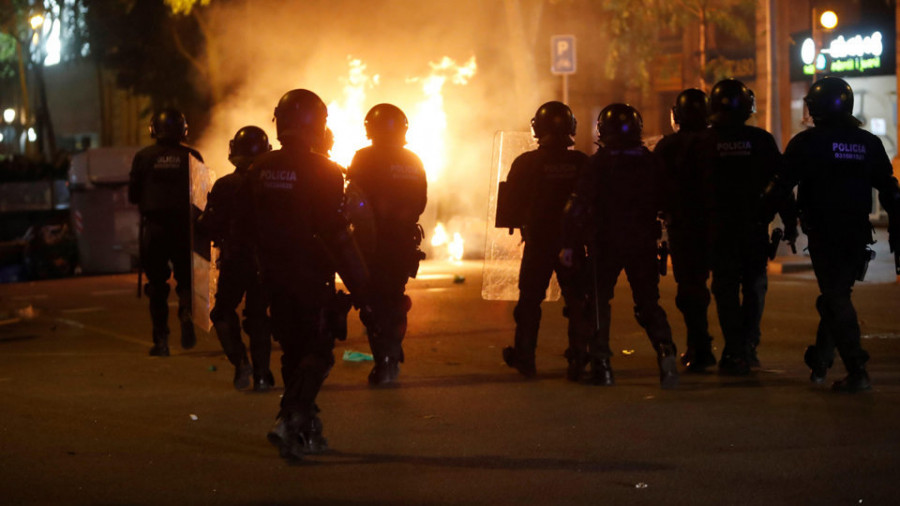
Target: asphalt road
(86, 417)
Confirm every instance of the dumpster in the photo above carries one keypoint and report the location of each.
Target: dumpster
(105, 223)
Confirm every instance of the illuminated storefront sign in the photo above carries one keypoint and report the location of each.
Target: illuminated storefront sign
(852, 52)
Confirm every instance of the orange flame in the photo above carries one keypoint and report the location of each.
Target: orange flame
(427, 136)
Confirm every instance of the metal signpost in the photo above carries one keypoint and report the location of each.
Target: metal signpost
(562, 58)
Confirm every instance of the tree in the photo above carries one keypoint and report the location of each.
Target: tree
(726, 15)
(207, 63)
(133, 39)
(25, 26)
(635, 27)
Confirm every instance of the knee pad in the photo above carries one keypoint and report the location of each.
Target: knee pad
(157, 290)
(647, 316)
(526, 314)
(257, 326)
(219, 315)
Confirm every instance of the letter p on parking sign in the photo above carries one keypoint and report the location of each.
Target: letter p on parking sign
(562, 54)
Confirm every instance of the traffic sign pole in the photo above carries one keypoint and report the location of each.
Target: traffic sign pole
(562, 58)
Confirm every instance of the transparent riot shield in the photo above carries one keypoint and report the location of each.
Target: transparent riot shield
(358, 211)
(204, 275)
(502, 250)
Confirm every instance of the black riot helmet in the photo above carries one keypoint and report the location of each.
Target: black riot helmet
(248, 143)
(730, 103)
(830, 99)
(619, 125)
(690, 111)
(386, 123)
(168, 125)
(554, 122)
(300, 118)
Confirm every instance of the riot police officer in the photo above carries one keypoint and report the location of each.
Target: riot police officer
(393, 180)
(614, 210)
(159, 183)
(835, 165)
(301, 239)
(238, 269)
(686, 223)
(740, 161)
(537, 188)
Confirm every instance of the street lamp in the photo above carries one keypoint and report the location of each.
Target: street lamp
(36, 21)
(9, 115)
(828, 20)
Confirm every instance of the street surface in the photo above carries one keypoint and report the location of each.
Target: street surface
(86, 417)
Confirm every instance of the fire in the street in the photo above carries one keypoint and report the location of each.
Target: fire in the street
(427, 136)
(427, 118)
(454, 248)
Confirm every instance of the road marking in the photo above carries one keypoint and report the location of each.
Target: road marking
(881, 336)
(431, 277)
(92, 309)
(98, 330)
(29, 297)
(119, 291)
(10, 321)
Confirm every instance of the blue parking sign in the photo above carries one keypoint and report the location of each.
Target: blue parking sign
(562, 54)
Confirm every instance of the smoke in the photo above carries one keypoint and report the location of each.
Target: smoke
(268, 47)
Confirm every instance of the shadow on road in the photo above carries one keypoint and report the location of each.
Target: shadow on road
(487, 462)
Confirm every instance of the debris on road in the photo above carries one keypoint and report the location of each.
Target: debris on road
(357, 356)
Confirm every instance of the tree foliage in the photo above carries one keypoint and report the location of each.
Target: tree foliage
(635, 26)
(185, 6)
(134, 39)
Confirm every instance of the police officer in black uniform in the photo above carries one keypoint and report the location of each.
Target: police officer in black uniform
(159, 184)
(835, 165)
(686, 223)
(302, 238)
(537, 188)
(740, 160)
(393, 180)
(614, 209)
(238, 268)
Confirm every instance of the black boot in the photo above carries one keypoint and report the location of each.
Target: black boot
(384, 372)
(817, 368)
(242, 373)
(160, 344)
(697, 359)
(753, 358)
(601, 373)
(188, 337)
(733, 365)
(263, 381)
(856, 381)
(296, 435)
(514, 359)
(577, 363)
(668, 369)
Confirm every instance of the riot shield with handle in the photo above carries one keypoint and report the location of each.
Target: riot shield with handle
(204, 274)
(503, 242)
